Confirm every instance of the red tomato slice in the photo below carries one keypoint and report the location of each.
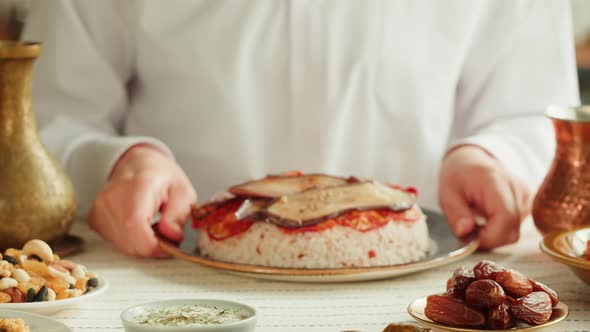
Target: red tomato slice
(220, 221)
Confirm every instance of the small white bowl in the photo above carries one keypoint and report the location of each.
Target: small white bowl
(245, 325)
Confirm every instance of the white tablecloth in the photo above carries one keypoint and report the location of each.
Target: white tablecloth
(365, 306)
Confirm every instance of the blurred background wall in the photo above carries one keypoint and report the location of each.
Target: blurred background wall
(13, 13)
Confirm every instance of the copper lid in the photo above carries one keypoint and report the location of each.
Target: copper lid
(567, 113)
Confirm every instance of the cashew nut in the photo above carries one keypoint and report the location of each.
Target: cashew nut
(67, 264)
(40, 249)
(6, 283)
(71, 280)
(60, 268)
(21, 276)
(79, 271)
(55, 273)
(50, 294)
(73, 292)
(5, 298)
(21, 259)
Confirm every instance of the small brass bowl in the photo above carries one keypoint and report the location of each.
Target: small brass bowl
(568, 247)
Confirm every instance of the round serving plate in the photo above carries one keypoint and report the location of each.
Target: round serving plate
(416, 310)
(445, 248)
(36, 323)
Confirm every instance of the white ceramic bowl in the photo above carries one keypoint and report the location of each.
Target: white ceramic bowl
(50, 307)
(131, 325)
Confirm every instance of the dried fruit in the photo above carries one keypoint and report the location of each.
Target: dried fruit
(5, 298)
(499, 317)
(92, 282)
(81, 284)
(486, 270)
(15, 295)
(533, 309)
(484, 294)
(540, 287)
(31, 295)
(448, 310)
(514, 283)
(41, 295)
(10, 259)
(458, 283)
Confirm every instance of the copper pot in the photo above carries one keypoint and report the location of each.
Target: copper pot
(36, 197)
(563, 200)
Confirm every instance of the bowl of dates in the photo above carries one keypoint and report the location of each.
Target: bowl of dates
(490, 297)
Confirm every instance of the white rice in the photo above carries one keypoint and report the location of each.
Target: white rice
(397, 242)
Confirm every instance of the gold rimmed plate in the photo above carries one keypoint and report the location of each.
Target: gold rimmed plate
(416, 310)
(444, 249)
(568, 247)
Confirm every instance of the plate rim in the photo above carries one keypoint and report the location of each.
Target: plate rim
(103, 285)
(455, 255)
(436, 325)
(20, 314)
(547, 246)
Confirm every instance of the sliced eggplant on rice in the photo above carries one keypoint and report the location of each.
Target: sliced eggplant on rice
(278, 186)
(315, 205)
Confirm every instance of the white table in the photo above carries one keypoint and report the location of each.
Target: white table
(366, 306)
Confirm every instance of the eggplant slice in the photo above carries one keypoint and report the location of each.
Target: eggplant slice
(315, 205)
(278, 186)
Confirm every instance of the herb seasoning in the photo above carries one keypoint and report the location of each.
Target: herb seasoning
(200, 314)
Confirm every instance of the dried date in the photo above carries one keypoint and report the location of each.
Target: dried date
(540, 287)
(499, 317)
(514, 283)
(533, 309)
(458, 283)
(484, 294)
(448, 310)
(486, 270)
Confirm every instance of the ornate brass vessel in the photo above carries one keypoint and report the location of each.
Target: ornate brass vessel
(36, 198)
(563, 200)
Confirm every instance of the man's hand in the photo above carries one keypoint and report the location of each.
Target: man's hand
(143, 182)
(473, 182)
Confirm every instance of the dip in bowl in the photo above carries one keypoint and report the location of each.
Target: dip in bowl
(201, 315)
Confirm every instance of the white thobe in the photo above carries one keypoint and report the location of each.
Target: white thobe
(239, 89)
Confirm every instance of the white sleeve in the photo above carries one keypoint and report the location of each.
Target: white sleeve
(510, 77)
(80, 86)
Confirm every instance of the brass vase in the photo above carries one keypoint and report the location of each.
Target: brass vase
(36, 198)
(563, 200)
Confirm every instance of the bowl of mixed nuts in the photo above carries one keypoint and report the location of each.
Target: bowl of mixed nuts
(490, 297)
(34, 279)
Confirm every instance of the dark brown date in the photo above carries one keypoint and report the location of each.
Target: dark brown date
(533, 309)
(514, 283)
(15, 294)
(458, 283)
(499, 318)
(448, 310)
(486, 270)
(539, 287)
(484, 294)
